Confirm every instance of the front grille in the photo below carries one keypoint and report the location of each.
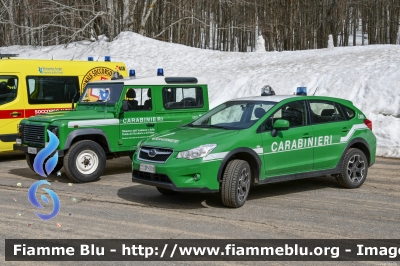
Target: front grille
(151, 177)
(152, 154)
(34, 134)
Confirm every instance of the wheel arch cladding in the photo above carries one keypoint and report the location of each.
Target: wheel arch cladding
(361, 144)
(94, 134)
(245, 154)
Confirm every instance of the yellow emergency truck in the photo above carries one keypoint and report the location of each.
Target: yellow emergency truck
(30, 87)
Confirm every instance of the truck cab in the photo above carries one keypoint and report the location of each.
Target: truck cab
(109, 120)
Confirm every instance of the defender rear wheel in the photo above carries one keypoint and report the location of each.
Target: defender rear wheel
(166, 191)
(236, 183)
(85, 161)
(354, 169)
(30, 158)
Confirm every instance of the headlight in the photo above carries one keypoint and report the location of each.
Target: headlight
(54, 130)
(198, 152)
(139, 145)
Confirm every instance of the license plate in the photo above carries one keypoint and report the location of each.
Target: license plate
(149, 168)
(32, 150)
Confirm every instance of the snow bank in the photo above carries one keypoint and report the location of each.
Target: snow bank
(366, 75)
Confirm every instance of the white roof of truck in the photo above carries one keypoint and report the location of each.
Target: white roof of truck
(156, 80)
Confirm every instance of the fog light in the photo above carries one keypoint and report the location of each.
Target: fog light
(196, 177)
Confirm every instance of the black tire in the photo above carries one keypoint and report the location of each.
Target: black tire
(236, 183)
(166, 191)
(354, 169)
(85, 161)
(30, 158)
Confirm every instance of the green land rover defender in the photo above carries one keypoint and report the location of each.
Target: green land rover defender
(109, 120)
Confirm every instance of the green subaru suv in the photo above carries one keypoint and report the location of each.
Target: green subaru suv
(259, 140)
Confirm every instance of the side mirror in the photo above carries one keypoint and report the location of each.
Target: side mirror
(125, 106)
(75, 98)
(280, 124)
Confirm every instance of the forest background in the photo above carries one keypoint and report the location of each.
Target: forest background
(225, 25)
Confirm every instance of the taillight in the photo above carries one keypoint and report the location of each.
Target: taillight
(368, 123)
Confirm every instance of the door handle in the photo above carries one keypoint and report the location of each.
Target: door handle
(15, 114)
(345, 129)
(306, 136)
(150, 125)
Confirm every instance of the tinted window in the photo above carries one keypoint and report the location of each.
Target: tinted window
(294, 112)
(51, 89)
(177, 98)
(325, 112)
(8, 88)
(350, 113)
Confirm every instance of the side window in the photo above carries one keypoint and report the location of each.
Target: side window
(294, 112)
(8, 88)
(325, 112)
(139, 99)
(178, 98)
(260, 110)
(350, 113)
(42, 90)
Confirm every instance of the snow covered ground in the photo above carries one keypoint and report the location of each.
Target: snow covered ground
(369, 76)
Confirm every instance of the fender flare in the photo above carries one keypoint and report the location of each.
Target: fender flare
(249, 151)
(85, 131)
(352, 142)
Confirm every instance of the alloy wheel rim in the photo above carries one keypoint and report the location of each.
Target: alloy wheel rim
(243, 185)
(356, 168)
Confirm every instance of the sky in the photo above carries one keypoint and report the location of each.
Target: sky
(369, 76)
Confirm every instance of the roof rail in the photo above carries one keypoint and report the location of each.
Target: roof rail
(8, 55)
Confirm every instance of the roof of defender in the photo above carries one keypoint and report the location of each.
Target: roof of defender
(158, 80)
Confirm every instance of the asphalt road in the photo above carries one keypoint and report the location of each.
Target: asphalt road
(114, 207)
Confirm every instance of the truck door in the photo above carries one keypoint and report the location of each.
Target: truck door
(12, 109)
(139, 121)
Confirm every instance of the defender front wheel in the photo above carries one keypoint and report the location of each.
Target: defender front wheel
(85, 161)
(30, 158)
(354, 169)
(236, 183)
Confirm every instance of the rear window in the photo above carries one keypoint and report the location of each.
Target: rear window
(42, 90)
(179, 98)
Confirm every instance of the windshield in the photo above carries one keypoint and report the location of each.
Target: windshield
(234, 115)
(8, 88)
(102, 93)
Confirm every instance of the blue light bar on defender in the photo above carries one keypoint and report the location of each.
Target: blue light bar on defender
(107, 58)
(160, 72)
(301, 91)
(90, 58)
(132, 73)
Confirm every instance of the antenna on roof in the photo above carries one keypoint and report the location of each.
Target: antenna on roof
(315, 91)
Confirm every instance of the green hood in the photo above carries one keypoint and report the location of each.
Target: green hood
(184, 138)
(71, 115)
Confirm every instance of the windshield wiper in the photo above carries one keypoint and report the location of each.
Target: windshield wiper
(208, 126)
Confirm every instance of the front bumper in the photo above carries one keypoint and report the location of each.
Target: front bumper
(178, 175)
(24, 148)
